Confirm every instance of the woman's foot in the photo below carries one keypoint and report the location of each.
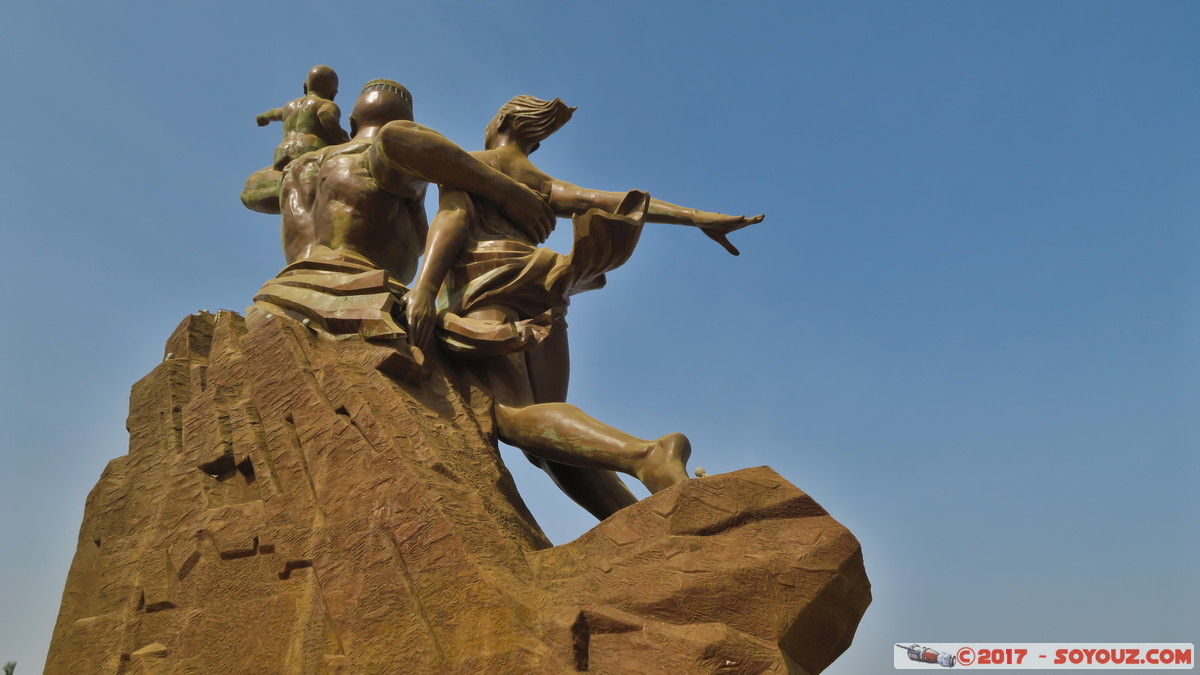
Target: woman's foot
(665, 463)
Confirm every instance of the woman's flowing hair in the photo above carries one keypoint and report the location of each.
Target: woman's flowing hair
(534, 118)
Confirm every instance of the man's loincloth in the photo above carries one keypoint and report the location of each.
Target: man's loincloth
(338, 291)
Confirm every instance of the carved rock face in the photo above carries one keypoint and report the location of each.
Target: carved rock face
(299, 504)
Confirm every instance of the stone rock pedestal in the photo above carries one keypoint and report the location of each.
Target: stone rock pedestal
(292, 503)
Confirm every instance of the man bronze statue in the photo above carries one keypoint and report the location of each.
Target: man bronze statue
(507, 299)
(354, 225)
(354, 220)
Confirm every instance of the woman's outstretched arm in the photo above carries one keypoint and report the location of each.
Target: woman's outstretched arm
(567, 199)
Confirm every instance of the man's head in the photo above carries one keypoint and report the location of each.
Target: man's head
(380, 102)
(530, 120)
(322, 81)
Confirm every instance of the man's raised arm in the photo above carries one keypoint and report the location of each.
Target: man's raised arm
(409, 148)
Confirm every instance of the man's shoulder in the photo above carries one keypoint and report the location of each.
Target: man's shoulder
(329, 160)
(403, 125)
(343, 149)
(307, 165)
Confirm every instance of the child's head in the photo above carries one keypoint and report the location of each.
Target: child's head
(322, 81)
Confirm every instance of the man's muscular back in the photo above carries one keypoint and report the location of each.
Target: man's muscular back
(330, 198)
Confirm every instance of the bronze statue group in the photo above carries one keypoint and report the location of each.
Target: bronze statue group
(487, 293)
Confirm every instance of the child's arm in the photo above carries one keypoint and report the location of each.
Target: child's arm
(272, 115)
(330, 117)
(445, 242)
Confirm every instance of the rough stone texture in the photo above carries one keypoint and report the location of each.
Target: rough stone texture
(296, 504)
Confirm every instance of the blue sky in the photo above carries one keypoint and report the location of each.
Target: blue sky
(967, 327)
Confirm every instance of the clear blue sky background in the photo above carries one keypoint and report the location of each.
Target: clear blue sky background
(968, 326)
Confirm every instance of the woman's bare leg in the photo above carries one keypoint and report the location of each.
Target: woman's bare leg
(600, 491)
(562, 433)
